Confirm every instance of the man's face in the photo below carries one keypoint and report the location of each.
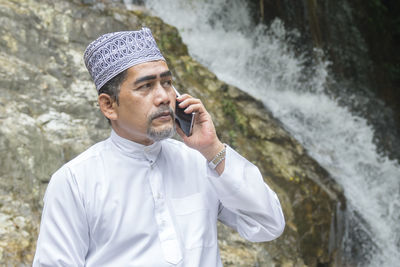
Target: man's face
(146, 104)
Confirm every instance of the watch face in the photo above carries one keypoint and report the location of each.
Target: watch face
(184, 120)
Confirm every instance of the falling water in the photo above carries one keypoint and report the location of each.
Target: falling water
(262, 61)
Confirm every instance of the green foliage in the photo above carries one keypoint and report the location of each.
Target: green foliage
(232, 138)
(233, 115)
(229, 108)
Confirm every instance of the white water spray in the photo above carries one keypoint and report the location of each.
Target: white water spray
(261, 61)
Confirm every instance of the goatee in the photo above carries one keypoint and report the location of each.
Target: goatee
(169, 131)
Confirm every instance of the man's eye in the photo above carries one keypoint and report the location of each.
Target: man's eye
(145, 86)
(167, 83)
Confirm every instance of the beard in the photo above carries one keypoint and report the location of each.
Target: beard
(168, 130)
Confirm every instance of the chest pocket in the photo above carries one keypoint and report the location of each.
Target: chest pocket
(194, 221)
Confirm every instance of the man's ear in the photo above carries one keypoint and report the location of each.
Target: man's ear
(108, 106)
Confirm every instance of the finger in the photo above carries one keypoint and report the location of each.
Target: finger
(189, 101)
(183, 97)
(198, 108)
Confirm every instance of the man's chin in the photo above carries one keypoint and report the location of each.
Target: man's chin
(161, 133)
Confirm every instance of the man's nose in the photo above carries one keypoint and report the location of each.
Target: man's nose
(161, 95)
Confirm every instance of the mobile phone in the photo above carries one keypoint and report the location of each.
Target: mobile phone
(184, 120)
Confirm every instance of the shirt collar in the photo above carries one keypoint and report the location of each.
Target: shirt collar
(135, 150)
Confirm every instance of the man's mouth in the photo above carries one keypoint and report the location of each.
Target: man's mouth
(163, 115)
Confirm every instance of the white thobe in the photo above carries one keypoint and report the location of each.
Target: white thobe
(120, 203)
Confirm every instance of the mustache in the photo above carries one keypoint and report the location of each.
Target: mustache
(162, 111)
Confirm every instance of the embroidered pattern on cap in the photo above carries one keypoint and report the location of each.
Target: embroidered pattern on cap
(112, 53)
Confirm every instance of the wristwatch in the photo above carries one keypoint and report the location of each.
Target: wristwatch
(218, 158)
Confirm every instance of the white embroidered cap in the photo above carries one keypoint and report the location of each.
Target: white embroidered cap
(112, 53)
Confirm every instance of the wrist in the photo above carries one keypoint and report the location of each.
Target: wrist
(219, 158)
(211, 151)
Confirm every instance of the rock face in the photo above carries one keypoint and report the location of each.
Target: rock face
(49, 114)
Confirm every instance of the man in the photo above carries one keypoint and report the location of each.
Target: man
(140, 198)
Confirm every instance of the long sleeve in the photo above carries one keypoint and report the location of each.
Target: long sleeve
(247, 204)
(64, 236)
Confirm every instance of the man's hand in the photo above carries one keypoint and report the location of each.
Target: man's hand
(203, 138)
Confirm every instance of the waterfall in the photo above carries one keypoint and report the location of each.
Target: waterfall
(263, 61)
